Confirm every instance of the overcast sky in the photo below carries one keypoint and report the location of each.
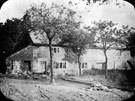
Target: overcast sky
(124, 14)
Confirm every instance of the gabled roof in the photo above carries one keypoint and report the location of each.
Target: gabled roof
(28, 50)
(40, 39)
(23, 53)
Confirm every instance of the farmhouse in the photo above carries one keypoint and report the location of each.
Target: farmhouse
(35, 59)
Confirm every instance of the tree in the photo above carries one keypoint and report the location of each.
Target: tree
(106, 36)
(129, 38)
(106, 1)
(50, 22)
(12, 33)
(77, 41)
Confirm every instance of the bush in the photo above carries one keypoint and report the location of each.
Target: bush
(118, 77)
(113, 75)
(38, 76)
(93, 72)
(59, 76)
(121, 79)
(131, 77)
(89, 72)
(69, 74)
(17, 76)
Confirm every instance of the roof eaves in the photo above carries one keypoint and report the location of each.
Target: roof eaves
(19, 51)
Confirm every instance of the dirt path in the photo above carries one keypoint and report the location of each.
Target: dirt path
(22, 90)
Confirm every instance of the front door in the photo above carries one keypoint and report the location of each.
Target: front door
(27, 65)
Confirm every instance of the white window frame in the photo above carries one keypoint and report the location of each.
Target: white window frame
(55, 50)
(61, 65)
(84, 65)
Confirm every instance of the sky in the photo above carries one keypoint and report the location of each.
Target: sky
(123, 14)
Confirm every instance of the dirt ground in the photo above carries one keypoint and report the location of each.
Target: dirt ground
(29, 90)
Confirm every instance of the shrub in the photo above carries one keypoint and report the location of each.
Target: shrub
(113, 75)
(89, 72)
(118, 77)
(93, 72)
(121, 79)
(69, 74)
(59, 76)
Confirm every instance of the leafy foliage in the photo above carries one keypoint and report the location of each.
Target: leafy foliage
(77, 41)
(70, 56)
(106, 36)
(129, 33)
(50, 22)
(107, 1)
(13, 33)
(128, 38)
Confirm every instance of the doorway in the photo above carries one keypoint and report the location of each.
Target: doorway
(44, 65)
(27, 65)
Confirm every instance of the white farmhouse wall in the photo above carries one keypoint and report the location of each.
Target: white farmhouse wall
(93, 57)
(116, 58)
(38, 67)
(73, 69)
(42, 54)
(16, 66)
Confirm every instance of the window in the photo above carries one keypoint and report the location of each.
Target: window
(55, 50)
(58, 50)
(64, 65)
(57, 65)
(43, 64)
(60, 65)
(84, 65)
(13, 64)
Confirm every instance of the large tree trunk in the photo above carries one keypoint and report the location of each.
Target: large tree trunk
(106, 61)
(51, 62)
(79, 66)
